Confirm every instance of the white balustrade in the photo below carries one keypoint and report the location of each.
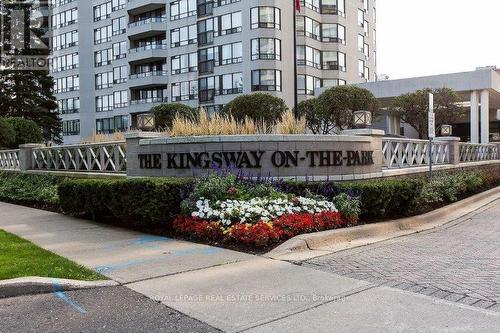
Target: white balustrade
(99, 157)
(407, 153)
(471, 152)
(9, 159)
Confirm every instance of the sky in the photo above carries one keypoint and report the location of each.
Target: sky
(427, 37)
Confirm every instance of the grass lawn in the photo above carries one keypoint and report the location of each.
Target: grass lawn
(20, 258)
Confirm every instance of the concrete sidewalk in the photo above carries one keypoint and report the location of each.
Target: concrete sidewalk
(238, 292)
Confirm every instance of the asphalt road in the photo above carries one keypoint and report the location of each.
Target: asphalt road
(115, 309)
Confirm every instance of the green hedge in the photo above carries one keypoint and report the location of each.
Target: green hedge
(380, 198)
(134, 202)
(27, 189)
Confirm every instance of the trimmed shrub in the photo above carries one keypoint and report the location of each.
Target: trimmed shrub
(258, 107)
(33, 190)
(135, 202)
(7, 134)
(166, 113)
(379, 198)
(27, 131)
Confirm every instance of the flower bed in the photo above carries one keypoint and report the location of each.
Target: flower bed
(226, 209)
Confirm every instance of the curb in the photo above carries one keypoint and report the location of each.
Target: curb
(317, 244)
(42, 285)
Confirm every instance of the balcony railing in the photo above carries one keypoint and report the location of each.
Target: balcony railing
(147, 74)
(149, 100)
(148, 47)
(147, 21)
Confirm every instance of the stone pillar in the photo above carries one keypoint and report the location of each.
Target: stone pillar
(26, 155)
(474, 117)
(453, 148)
(485, 116)
(133, 141)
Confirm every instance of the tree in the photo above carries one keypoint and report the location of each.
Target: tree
(334, 108)
(258, 107)
(26, 131)
(166, 113)
(28, 93)
(307, 109)
(7, 134)
(413, 108)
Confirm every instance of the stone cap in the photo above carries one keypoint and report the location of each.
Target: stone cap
(142, 135)
(32, 145)
(256, 138)
(364, 132)
(447, 138)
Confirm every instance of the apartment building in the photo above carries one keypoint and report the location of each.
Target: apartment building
(114, 59)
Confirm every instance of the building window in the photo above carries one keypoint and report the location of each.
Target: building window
(231, 53)
(328, 83)
(308, 56)
(104, 103)
(361, 17)
(182, 8)
(120, 74)
(229, 24)
(306, 84)
(184, 91)
(183, 36)
(71, 127)
(266, 80)
(152, 95)
(333, 33)
(68, 105)
(333, 60)
(232, 84)
(102, 11)
(266, 17)
(104, 80)
(308, 27)
(150, 69)
(266, 49)
(64, 63)
(119, 25)
(333, 7)
(111, 125)
(102, 35)
(207, 88)
(63, 41)
(66, 84)
(363, 70)
(118, 4)
(184, 63)
(120, 99)
(103, 57)
(119, 50)
(65, 18)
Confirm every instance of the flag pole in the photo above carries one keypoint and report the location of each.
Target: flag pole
(295, 94)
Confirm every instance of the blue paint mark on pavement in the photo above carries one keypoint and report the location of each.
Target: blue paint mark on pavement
(62, 295)
(173, 254)
(144, 241)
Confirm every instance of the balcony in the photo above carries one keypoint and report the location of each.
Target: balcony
(148, 53)
(135, 7)
(145, 105)
(148, 79)
(146, 28)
